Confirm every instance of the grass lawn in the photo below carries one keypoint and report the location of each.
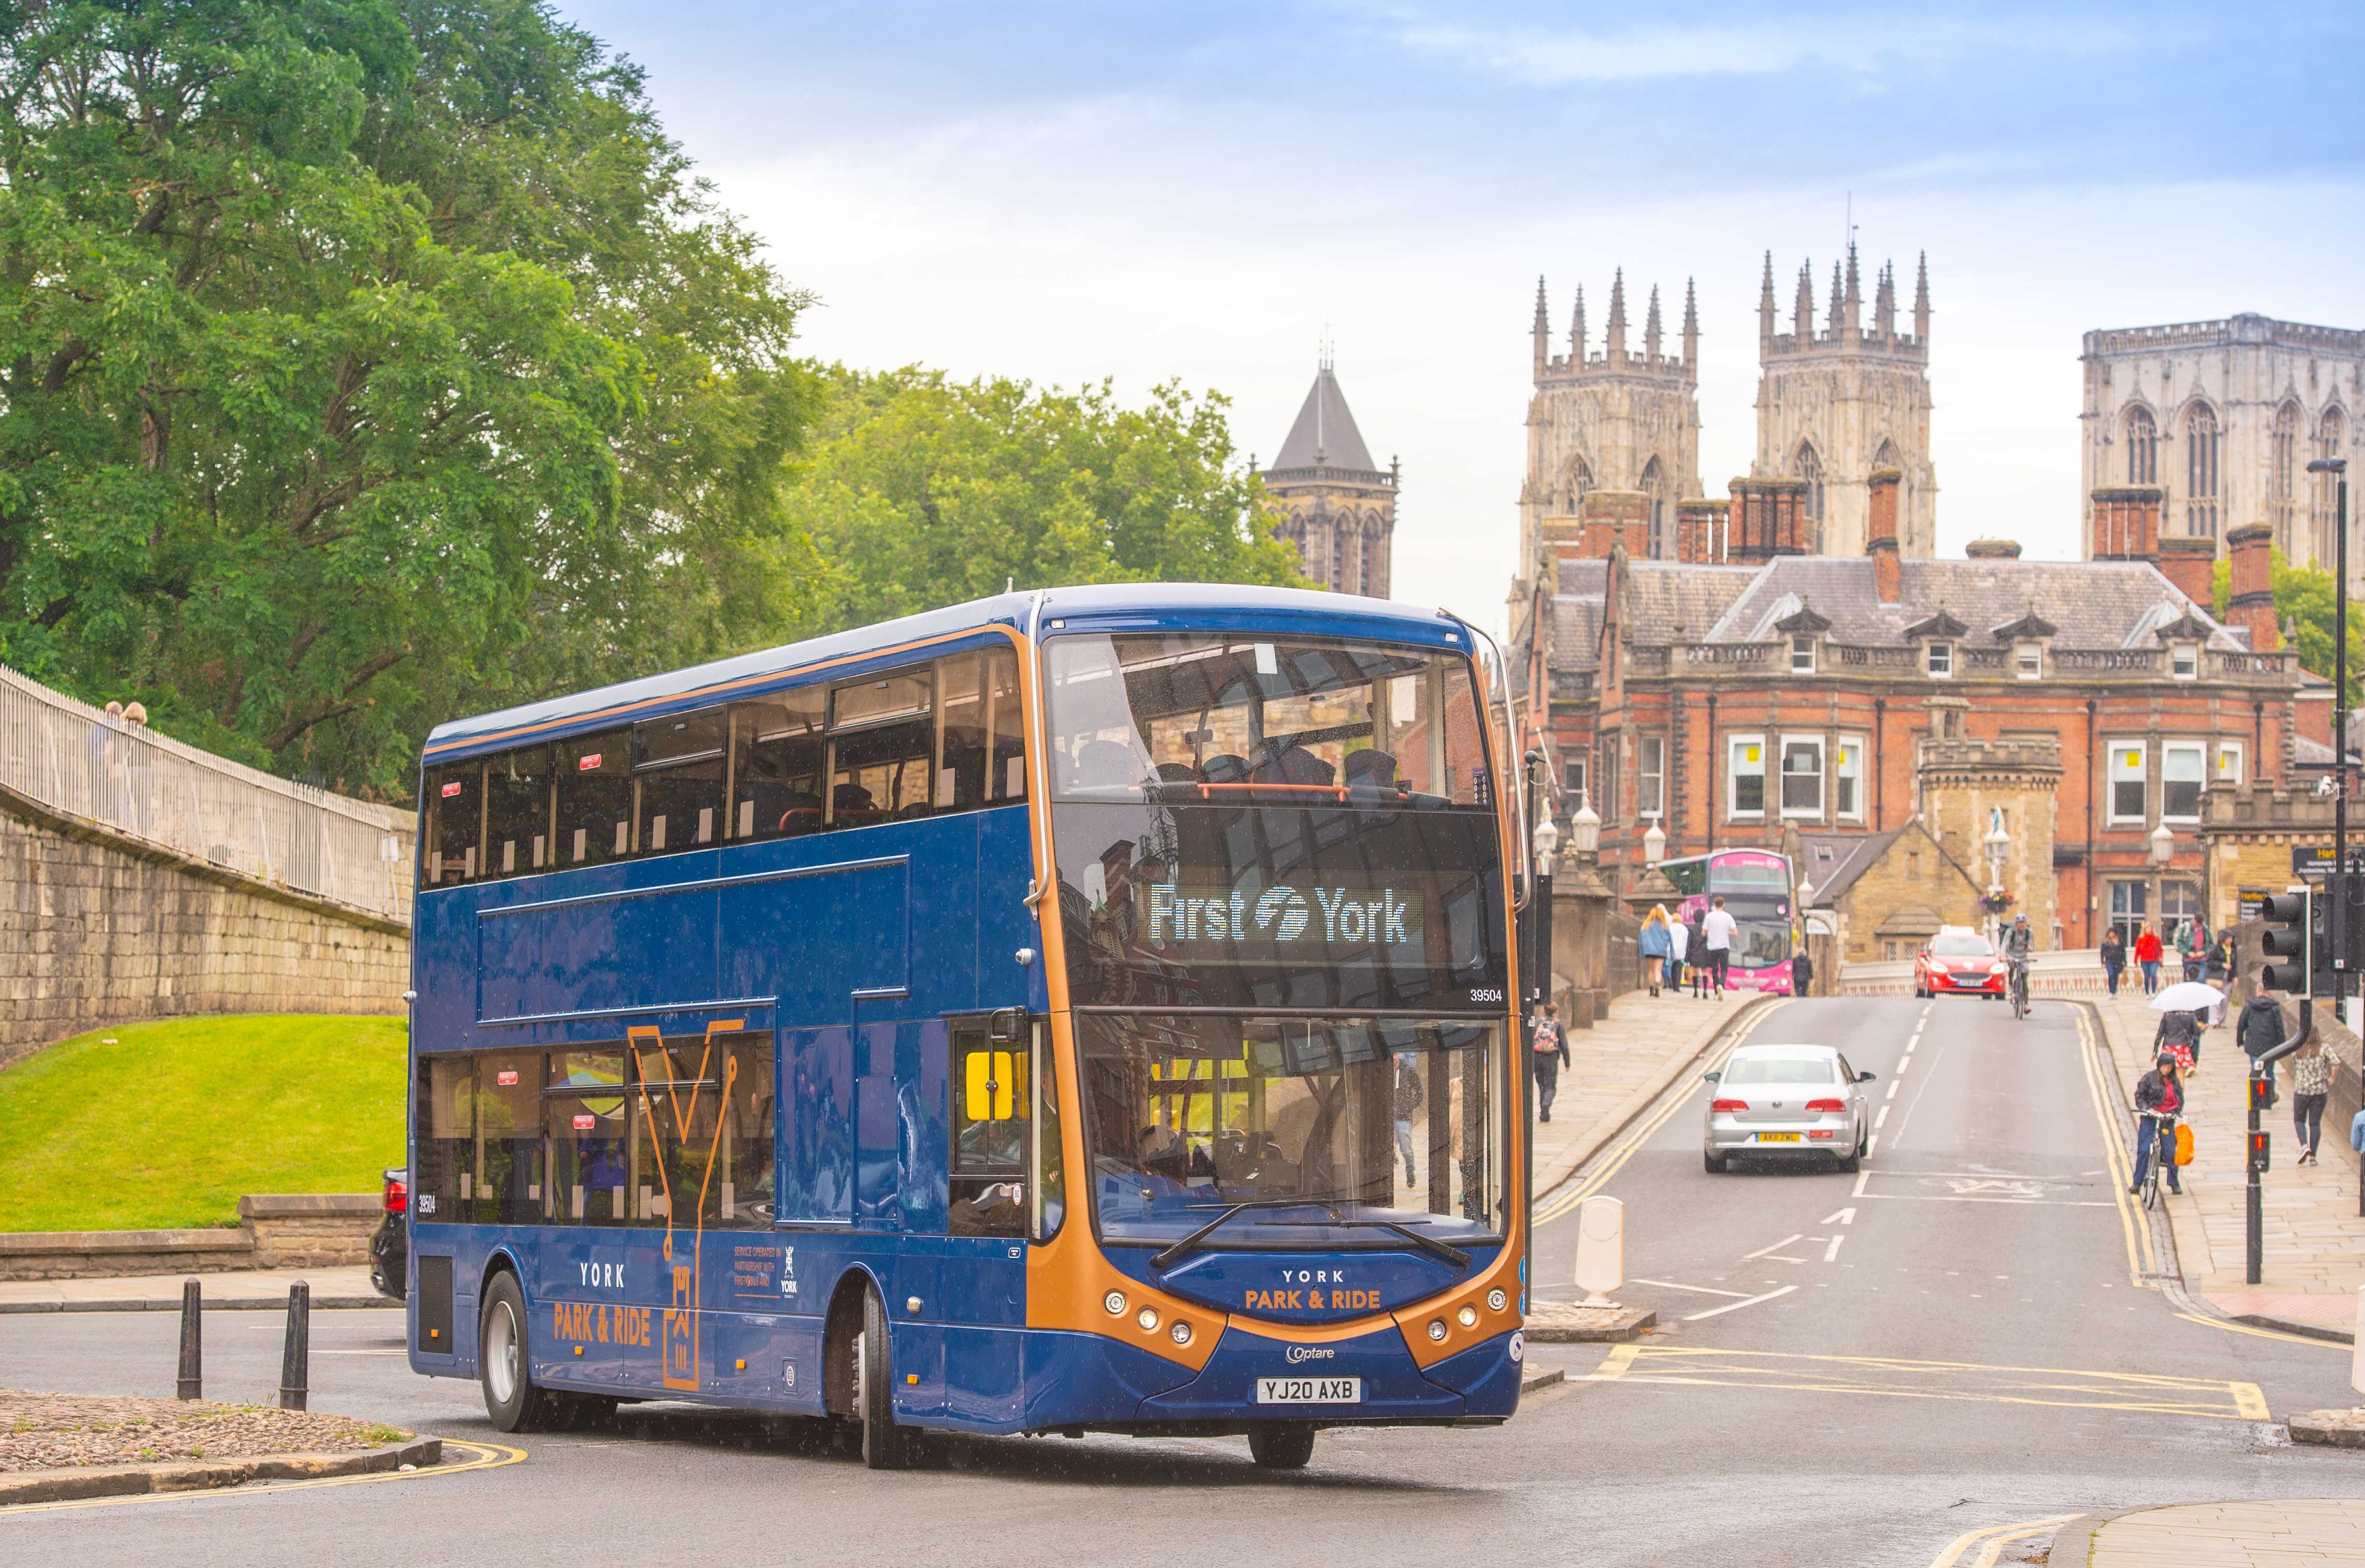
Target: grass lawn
(168, 1125)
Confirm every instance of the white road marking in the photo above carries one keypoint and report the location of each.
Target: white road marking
(1763, 1250)
(1832, 1253)
(1894, 1085)
(1735, 1306)
(1703, 1290)
(1881, 1120)
(1843, 1216)
(1861, 1177)
(1872, 1144)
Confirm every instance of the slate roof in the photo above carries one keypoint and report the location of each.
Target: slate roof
(1325, 435)
(2093, 604)
(1831, 863)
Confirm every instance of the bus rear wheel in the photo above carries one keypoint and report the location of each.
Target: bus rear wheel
(885, 1446)
(1282, 1445)
(512, 1399)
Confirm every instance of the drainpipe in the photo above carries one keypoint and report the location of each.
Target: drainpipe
(1879, 774)
(1712, 773)
(2257, 738)
(2092, 909)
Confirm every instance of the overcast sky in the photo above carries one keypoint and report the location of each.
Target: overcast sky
(1071, 193)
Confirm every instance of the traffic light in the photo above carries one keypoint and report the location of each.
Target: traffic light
(2262, 1093)
(2293, 941)
(2259, 1153)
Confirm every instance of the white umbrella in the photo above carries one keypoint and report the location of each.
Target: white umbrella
(2188, 996)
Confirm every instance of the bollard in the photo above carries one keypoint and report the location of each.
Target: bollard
(193, 1335)
(1600, 1248)
(296, 1356)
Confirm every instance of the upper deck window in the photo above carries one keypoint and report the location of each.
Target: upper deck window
(882, 749)
(455, 808)
(1264, 722)
(595, 798)
(683, 761)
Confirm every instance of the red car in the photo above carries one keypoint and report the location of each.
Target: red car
(1958, 962)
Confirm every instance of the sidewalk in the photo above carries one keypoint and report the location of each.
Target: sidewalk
(2224, 1535)
(1619, 1067)
(232, 1291)
(2314, 1241)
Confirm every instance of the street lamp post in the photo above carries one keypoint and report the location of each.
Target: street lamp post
(2340, 884)
(1998, 845)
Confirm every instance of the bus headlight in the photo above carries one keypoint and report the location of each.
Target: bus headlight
(1115, 1301)
(1496, 1301)
(1437, 1329)
(1147, 1317)
(1469, 1317)
(1179, 1333)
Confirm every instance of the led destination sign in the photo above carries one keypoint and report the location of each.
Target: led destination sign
(1307, 918)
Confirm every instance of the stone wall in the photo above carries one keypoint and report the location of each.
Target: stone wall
(307, 1230)
(95, 929)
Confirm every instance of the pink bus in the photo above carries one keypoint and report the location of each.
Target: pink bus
(1756, 887)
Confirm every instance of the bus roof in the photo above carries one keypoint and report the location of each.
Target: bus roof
(1133, 607)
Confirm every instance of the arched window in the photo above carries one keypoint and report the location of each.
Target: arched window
(2201, 471)
(1580, 485)
(1654, 485)
(1810, 468)
(2283, 474)
(2142, 447)
(2331, 435)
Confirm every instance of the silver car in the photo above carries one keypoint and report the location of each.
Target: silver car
(1787, 1101)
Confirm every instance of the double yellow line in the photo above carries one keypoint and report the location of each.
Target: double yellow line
(475, 1456)
(1678, 1096)
(1992, 1540)
(2142, 1259)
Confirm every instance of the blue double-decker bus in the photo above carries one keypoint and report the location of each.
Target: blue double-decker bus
(1077, 1010)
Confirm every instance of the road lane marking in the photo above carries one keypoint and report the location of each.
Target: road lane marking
(1881, 1120)
(1679, 1096)
(1839, 1216)
(1763, 1250)
(1972, 1382)
(2251, 1400)
(2141, 1259)
(1996, 1537)
(1895, 1083)
(482, 1456)
(1703, 1290)
(2264, 1333)
(1832, 1253)
(1861, 1177)
(1613, 1365)
(1735, 1306)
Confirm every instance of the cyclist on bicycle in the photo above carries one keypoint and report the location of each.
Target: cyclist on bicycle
(2158, 1097)
(2018, 943)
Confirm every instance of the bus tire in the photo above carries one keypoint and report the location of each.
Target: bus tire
(885, 1446)
(503, 1367)
(1282, 1445)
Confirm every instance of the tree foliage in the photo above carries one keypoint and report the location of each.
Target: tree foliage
(918, 490)
(2306, 600)
(367, 361)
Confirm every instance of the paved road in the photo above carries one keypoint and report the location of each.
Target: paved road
(1880, 1407)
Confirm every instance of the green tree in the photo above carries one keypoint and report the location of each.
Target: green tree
(2306, 600)
(918, 492)
(366, 361)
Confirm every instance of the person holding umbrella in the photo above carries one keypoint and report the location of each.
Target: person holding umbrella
(2183, 1006)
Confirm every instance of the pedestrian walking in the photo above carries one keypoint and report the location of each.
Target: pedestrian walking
(2148, 951)
(1679, 937)
(1802, 973)
(2160, 1089)
(2221, 960)
(2258, 1030)
(2194, 948)
(1717, 931)
(1551, 1055)
(2312, 1069)
(2114, 959)
(1696, 946)
(2180, 1035)
(1408, 1102)
(1653, 943)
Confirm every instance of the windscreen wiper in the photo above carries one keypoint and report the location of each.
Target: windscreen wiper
(1165, 1259)
(1453, 1255)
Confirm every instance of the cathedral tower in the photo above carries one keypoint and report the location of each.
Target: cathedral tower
(1615, 421)
(1835, 405)
(1338, 509)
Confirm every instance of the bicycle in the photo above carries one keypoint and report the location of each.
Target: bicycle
(2163, 1149)
(2018, 985)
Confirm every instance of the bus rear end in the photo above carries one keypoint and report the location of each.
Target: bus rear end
(1756, 887)
(1280, 960)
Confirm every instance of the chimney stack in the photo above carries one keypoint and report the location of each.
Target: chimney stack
(2190, 562)
(2126, 522)
(2253, 582)
(1700, 532)
(1881, 534)
(1992, 550)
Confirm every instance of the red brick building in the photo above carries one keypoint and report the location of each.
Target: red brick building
(1726, 700)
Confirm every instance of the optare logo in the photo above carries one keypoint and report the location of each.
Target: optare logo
(1297, 1353)
(1287, 908)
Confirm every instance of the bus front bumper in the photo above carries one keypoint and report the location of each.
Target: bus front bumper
(1237, 1385)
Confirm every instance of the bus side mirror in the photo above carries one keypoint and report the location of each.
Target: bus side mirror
(1009, 1026)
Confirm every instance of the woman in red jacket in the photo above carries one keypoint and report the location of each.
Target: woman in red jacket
(2148, 954)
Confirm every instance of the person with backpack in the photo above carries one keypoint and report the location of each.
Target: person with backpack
(2162, 1093)
(2194, 948)
(1550, 1056)
(2258, 1030)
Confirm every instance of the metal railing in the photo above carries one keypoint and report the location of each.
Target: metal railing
(76, 761)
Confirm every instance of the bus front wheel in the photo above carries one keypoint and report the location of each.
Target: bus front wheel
(512, 1397)
(1282, 1445)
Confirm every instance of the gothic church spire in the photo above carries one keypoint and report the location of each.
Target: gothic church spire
(1543, 328)
(1617, 344)
(1577, 330)
(1922, 301)
(1651, 329)
(1691, 325)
